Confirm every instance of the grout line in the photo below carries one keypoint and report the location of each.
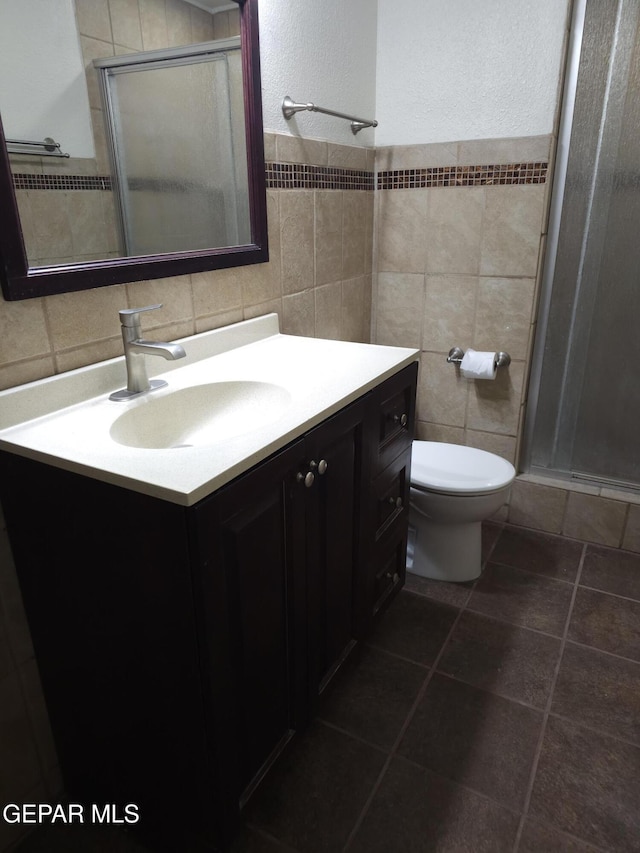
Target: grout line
(612, 594)
(602, 732)
(398, 740)
(547, 710)
(603, 651)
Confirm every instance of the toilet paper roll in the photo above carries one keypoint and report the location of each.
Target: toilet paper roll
(478, 365)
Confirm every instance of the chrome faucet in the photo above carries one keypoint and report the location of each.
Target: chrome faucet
(135, 349)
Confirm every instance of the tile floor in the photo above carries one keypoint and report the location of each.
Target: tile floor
(502, 715)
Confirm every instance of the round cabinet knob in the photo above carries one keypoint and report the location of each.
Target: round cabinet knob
(307, 479)
(403, 420)
(320, 466)
(396, 502)
(393, 576)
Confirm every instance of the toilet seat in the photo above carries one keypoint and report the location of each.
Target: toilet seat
(452, 469)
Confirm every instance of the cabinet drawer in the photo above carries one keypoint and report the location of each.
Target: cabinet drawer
(390, 571)
(396, 415)
(390, 495)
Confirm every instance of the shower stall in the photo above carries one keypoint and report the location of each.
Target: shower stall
(584, 402)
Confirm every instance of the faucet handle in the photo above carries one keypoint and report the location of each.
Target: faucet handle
(130, 316)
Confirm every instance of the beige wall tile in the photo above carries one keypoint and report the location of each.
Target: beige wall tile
(400, 305)
(356, 309)
(449, 311)
(512, 226)
(215, 292)
(125, 23)
(425, 156)
(153, 22)
(89, 354)
(94, 49)
(328, 311)
(501, 445)
(527, 149)
(354, 246)
(442, 394)
(269, 146)
(296, 149)
(454, 229)
(503, 318)
(23, 330)
(401, 224)
(178, 22)
(426, 431)
(25, 371)
(298, 314)
(346, 156)
(85, 317)
(595, 519)
(216, 321)
(494, 405)
(50, 223)
(297, 240)
(174, 294)
(93, 19)
(631, 538)
(328, 235)
(202, 28)
(273, 306)
(541, 507)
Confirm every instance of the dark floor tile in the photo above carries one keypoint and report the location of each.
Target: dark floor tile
(542, 553)
(456, 594)
(414, 627)
(537, 838)
(475, 738)
(599, 690)
(612, 570)
(416, 811)
(588, 785)
(490, 534)
(606, 622)
(250, 840)
(502, 658)
(372, 697)
(314, 795)
(522, 598)
(81, 838)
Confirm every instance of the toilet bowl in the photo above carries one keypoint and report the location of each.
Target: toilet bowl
(453, 490)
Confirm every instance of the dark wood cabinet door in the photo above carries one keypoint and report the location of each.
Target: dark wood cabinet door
(334, 454)
(250, 591)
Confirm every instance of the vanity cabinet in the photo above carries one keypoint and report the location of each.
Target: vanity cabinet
(181, 648)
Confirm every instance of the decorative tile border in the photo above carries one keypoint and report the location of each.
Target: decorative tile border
(22, 181)
(463, 176)
(286, 176)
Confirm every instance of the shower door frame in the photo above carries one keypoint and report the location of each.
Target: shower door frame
(557, 198)
(167, 57)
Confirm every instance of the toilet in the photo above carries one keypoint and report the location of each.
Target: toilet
(453, 490)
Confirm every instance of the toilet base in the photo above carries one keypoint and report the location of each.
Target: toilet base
(445, 552)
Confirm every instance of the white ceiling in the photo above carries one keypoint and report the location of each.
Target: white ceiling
(210, 5)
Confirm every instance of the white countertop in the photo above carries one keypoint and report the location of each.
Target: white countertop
(65, 420)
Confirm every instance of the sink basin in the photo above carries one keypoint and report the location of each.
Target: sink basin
(200, 415)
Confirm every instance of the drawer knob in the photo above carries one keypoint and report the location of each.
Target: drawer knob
(320, 466)
(393, 576)
(307, 478)
(402, 419)
(396, 502)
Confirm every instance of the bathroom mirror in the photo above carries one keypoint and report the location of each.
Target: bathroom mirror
(22, 279)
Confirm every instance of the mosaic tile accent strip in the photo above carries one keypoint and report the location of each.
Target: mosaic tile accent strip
(23, 181)
(287, 176)
(463, 176)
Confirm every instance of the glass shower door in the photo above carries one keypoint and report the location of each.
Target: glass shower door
(179, 156)
(587, 420)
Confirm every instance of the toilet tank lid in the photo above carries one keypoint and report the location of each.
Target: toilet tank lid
(454, 469)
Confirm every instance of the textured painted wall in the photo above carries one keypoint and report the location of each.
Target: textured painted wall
(324, 53)
(463, 69)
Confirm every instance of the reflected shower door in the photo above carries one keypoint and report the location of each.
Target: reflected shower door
(587, 422)
(179, 155)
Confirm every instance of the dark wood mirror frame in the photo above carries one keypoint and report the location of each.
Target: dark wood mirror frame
(20, 282)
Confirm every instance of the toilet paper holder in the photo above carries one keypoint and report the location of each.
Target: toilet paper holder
(502, 359)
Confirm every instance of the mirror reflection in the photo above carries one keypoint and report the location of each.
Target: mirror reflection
(138, 178)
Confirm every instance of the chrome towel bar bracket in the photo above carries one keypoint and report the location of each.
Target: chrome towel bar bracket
(502, 359)
(290, 108)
